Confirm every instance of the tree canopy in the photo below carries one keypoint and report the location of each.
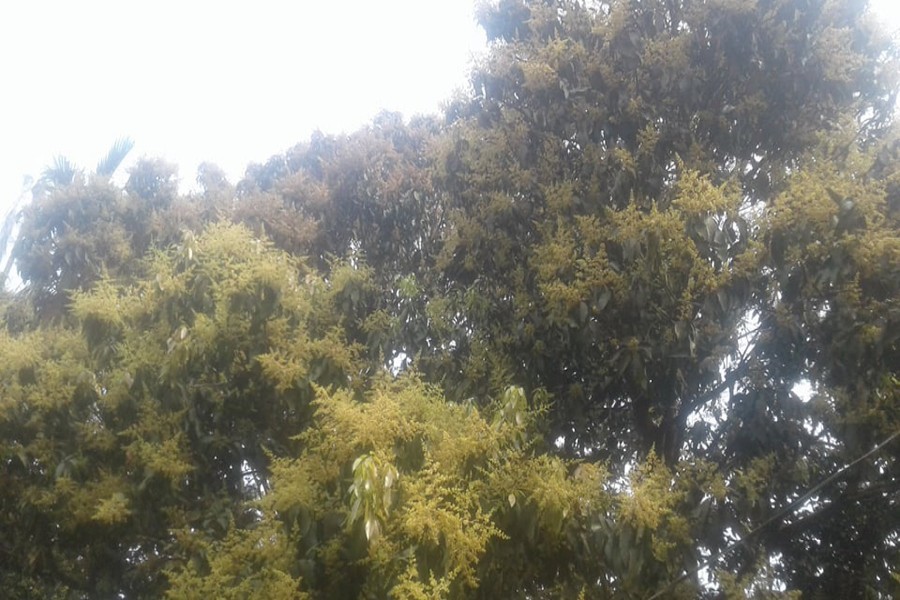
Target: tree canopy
(619, 323)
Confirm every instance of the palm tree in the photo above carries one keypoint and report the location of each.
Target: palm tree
(63, 172)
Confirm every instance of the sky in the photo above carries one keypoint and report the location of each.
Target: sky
(225, 82)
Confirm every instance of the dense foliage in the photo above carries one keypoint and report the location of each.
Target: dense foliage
(622, 301)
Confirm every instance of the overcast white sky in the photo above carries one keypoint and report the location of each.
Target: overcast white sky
(229, 82)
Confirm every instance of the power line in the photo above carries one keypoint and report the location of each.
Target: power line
(776, 517)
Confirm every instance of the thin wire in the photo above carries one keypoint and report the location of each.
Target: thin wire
(779, 515)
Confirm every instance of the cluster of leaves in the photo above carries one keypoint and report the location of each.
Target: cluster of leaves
(153, 445)
(402, 494)
(150, 414)
(623, 300)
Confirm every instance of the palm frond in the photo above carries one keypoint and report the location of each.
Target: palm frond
(117, 153)
(8, 232)
(61, 173)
